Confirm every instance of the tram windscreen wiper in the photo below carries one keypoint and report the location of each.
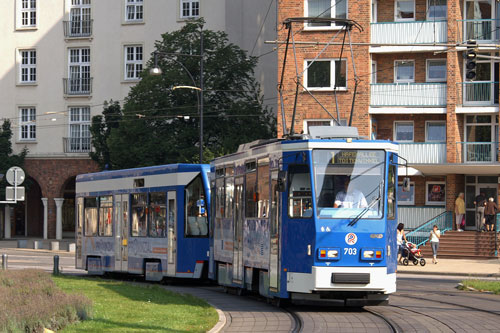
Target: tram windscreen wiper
(367, 208)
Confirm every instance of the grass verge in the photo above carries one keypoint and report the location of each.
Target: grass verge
(30, 302)
(125, 307)
(482, 285)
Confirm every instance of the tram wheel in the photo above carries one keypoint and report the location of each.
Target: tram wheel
(422, 262)
(405, 262)
(415, 262)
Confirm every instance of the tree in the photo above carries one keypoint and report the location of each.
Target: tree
(161, 125)
(100, 130)
(7, 159)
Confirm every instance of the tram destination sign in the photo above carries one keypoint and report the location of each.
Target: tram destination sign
(357, 157)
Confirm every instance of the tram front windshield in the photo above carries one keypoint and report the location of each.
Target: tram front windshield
(349, 183)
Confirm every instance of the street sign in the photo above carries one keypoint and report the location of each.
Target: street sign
(10, 193)
(15, 176)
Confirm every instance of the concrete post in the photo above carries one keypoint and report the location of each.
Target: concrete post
(45, 202)
(59, 202)
(7, 222)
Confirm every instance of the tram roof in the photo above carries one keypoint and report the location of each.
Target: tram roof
(145, 171)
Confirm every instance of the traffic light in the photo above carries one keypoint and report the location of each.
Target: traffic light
(470, 56)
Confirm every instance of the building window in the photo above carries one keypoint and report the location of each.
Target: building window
(435, 193)
(190, 8)
(133, 62)
(404, 71)
(79, 71)
(437, 9)
(28, 124)
(403, 131)
(326, 74)
(406, 198)
(435, 131)
(79, 129)
(27, 69)
(325, 9)
(321, 122)
(405, 10)
(436, 70)
(134, 11)
(26, 13)
(80, 18)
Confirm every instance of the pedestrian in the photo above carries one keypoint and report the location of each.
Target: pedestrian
(400, 238)
(459, 211)
(434, 239)
(490, 211)
(480, 203)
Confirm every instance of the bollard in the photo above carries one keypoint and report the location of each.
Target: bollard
(56, 265)
(4, 261)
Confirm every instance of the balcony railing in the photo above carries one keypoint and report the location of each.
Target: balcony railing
(477, 152)
(422, 32)
(77, 86)
(483, 30)
(408, 94)
(477, 93)
(415, 216)
(423, 152)
(77, 28)
(77, 145)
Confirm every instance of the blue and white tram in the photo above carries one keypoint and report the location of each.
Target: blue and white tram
(150, 221)
(309, 220)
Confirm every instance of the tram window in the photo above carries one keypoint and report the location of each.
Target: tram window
(263, 190)
(228, 213)
(251, 195)
(299, 191)
(106, 216)
(157, 215)
(90, 217)
(219, 197)
(391, 193)
(195, 206)
(139, 215)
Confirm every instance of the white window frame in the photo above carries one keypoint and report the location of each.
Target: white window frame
(332, 75)
(29, 67)
(27, 123)
(80, 71)
(333, 10)
(403, 122)
(374, 72)
(437, 18)
(191, 8)
(80, 17)
(343, 122)
(396, 71)
(79, 117)
(406, 203)
(435, 122)
(396, 19)
(434, 203)
(133, 62)
(374, 13)
(427, 67)
(135, 4)
(30, 12)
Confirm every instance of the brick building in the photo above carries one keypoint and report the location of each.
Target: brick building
(412, 89)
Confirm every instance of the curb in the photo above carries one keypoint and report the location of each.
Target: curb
(450, 274)
(72, 254)
(222, 320)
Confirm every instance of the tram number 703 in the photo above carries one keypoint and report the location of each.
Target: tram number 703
(351, 251)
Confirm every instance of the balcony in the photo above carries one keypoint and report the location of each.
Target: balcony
(477, 93)
(423, 152)
(77, 86)
(423, 32)
(477, 152)
(78, 29)
(484, 31)
(77, 145)
(408, 94)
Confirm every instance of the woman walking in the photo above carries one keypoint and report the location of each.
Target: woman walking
(400, 237)
(434, 238)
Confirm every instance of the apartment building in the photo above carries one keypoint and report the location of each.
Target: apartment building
(412, 89)
(61, 59)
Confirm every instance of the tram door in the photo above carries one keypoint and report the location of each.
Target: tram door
(121, 231)
(274, 260)
(238, 231)
(172, 233)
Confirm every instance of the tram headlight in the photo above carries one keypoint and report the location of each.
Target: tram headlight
(372, 254)
(328, 254)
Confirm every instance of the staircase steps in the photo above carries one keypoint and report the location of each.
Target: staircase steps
(465, 245)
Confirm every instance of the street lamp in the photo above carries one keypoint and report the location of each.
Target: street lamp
(156, 70)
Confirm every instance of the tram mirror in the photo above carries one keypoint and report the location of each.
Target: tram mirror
(406, 184)
(281, 182)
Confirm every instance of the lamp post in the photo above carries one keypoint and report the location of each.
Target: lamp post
(157, 71)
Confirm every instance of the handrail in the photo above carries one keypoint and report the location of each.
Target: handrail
(420, 235)
(410, 22)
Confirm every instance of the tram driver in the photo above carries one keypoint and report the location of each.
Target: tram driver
(350, 197)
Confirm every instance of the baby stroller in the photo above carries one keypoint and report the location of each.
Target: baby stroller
(412, 253)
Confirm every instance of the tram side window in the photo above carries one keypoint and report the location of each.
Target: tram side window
(263, 190)
(195, 206)
(219, 197)
(139, 215)
(90, 216)
(251, 195)
(106, 216)
(391, 193)
(157, 215)
(299, 193)
(228, 213)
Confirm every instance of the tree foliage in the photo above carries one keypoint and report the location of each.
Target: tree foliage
(100, 129)
(7, 158)
(161, 125)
